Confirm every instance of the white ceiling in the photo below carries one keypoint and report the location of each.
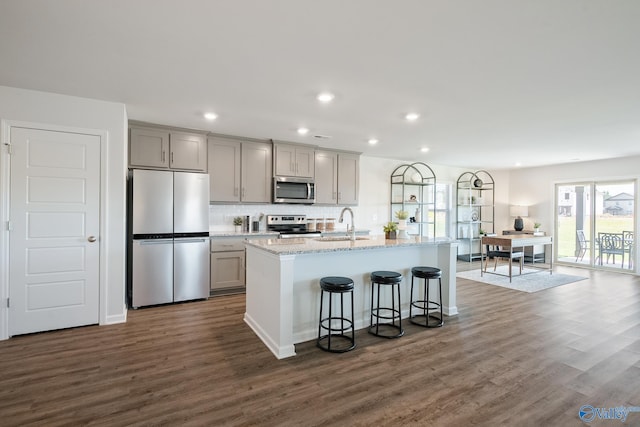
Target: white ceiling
(495, 81)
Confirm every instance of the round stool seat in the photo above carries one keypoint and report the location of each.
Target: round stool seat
(336, 284)
(386, 277)
(426, 272)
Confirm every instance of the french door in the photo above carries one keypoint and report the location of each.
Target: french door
(595, 224)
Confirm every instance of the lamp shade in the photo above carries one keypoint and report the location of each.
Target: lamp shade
(517, 210)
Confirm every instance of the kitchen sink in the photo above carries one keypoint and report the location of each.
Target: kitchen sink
(339, 238)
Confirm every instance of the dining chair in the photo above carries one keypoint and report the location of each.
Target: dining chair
(611, 244)
(628, 242)
(497, 253)
(583, 245)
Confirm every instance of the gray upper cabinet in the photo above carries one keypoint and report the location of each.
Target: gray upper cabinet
(187, 151)
(163, 148)
(294, 160)
(224, 170)
(239, 171)
(337, 177)
(149, 147)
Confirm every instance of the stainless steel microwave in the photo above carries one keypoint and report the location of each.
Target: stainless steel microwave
(294, 190)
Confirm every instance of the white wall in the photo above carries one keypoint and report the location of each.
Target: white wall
(66, 111)
(534, 187)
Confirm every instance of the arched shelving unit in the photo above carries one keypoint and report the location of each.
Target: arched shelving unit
(413, 189)
(475, 211)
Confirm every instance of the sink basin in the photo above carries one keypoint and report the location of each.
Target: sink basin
(339, 238)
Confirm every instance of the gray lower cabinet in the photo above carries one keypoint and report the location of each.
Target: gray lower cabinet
(227, 266)
(337, 177)
(239, 171)
(161, 148)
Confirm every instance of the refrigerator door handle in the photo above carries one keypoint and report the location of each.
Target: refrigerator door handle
(189, 240)
(155, 241)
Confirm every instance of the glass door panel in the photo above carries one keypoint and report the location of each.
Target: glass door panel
(595, 224)
(614, 224)
(573, 222)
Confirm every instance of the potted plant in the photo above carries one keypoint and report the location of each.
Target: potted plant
(390, 230)
(536, 227)
(237, 221)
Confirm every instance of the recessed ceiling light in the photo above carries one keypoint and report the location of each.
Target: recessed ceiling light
(412, 116)
(518, 164)
(373, 141)
(210, 116)
(424, 149)
(303, 131)
(326, 97)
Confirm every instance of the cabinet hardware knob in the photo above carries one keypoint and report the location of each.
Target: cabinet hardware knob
(92, 239)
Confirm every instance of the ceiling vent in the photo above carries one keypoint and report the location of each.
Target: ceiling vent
(322, 136)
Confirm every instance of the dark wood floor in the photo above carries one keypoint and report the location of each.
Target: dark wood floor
(509, 358)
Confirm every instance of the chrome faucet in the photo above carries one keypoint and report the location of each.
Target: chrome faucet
(351, 232)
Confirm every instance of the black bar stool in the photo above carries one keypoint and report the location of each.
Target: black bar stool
(336, 285)
(387, 313)
(426, 319)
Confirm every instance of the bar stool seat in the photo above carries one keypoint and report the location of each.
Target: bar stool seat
(379, 313)
(334, 325)
(426, 319)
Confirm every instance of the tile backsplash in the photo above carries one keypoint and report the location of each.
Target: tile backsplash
(221, 216)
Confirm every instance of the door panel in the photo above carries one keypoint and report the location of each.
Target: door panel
(152, 272)
(191, 269)
(190, 202)
(54, 211)
(152, 202)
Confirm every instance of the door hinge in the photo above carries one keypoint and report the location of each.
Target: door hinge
(9, 226)
(8, 144)
(8, 302)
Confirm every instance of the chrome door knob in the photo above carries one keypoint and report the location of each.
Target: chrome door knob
(92, 239)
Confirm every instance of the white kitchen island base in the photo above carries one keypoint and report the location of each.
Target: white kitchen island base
(283, 291)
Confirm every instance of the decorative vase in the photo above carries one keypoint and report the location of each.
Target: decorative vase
(402, 229)
(518, 224)
(238, 228)
(390, 235)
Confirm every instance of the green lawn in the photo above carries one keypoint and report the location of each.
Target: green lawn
(566, 238)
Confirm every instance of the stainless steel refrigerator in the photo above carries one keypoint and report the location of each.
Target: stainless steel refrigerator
(168, 237)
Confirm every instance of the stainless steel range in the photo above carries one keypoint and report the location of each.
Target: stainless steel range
(290, 226)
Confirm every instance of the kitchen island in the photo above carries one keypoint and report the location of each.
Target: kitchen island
(283, 292)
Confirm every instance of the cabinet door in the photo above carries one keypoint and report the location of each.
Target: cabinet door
(256, 172)
(326, 167)
(348, 179)
(285, 160)
(224, 170)
(304, 165)
(188, 151)
(227, 270)
(148, 147)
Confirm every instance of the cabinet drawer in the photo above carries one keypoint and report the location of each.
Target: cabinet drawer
(224, 245)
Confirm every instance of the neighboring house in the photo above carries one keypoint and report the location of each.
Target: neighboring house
(567, 201)
(620, 204)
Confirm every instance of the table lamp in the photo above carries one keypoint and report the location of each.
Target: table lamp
(518, 211)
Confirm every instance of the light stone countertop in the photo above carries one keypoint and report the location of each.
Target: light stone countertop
(259, 234)
(305, 246)
(243, 234)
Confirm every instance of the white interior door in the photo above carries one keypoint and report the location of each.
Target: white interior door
(54, 225)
